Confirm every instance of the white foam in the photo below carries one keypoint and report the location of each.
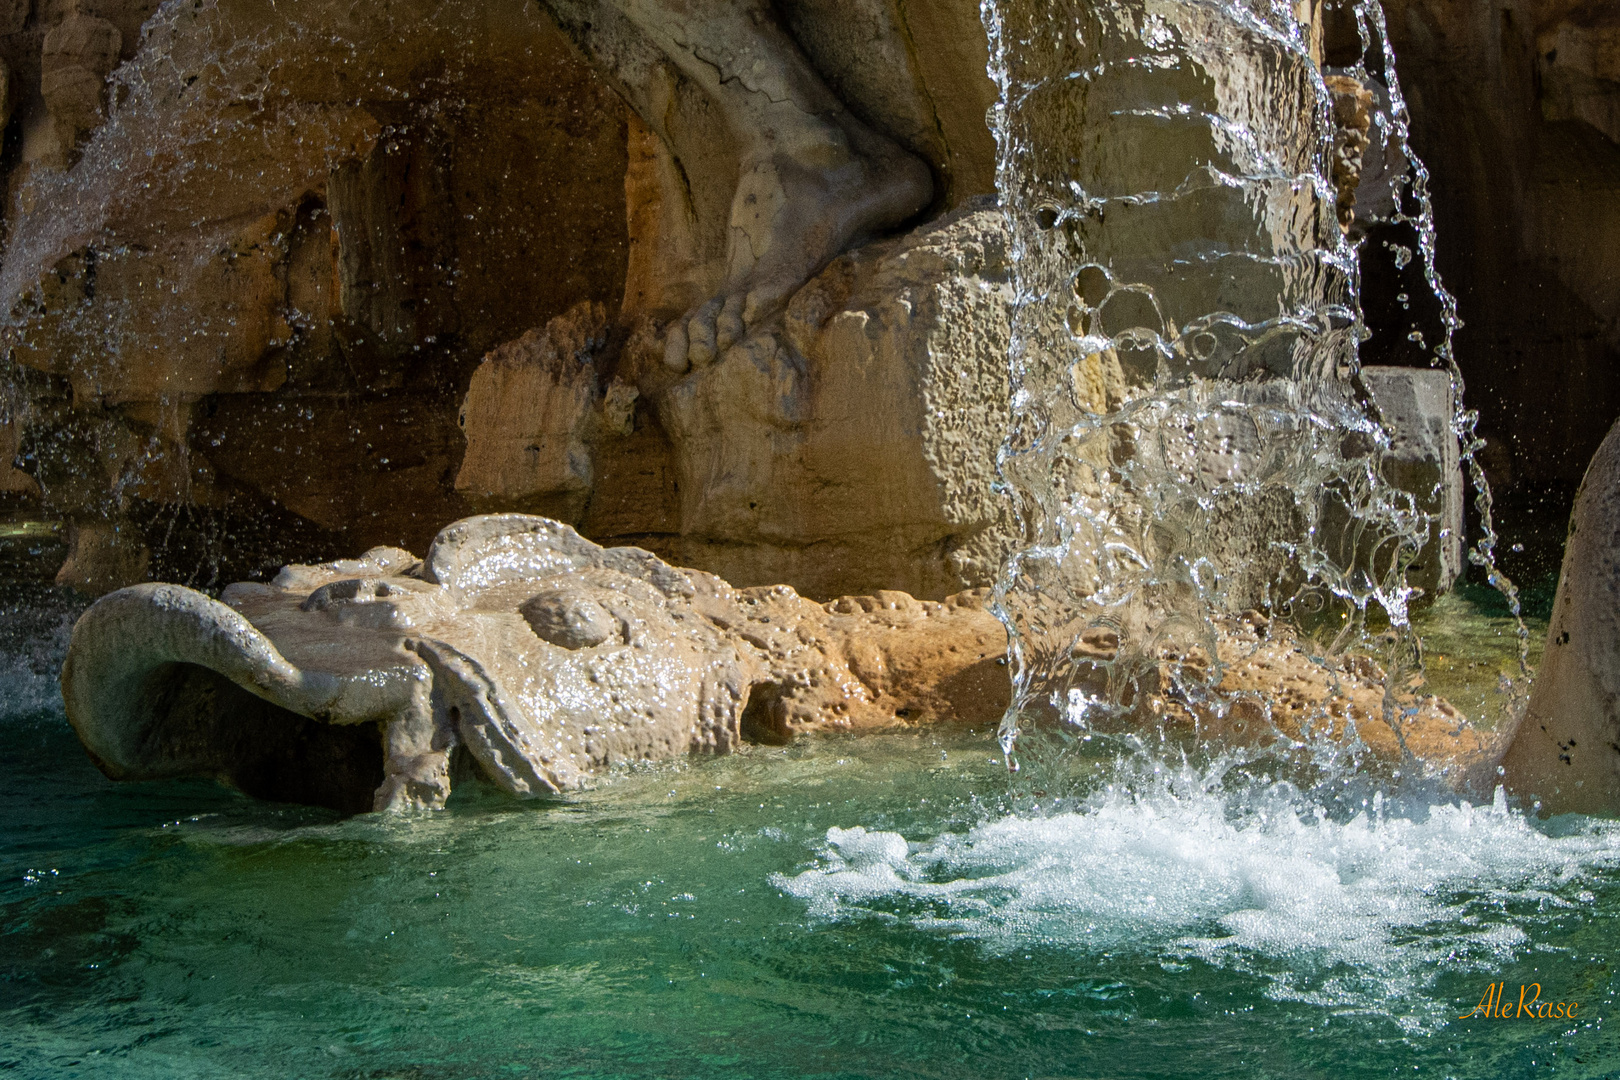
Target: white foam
(1354, 914)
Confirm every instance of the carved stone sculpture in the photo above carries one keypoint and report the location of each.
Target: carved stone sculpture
(811, 176)
(541, 655)
(519, 650)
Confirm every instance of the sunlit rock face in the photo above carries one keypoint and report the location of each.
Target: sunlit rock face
(521, 652)
(846, 446)
(308, 278)
(321, 277)
(251, 271)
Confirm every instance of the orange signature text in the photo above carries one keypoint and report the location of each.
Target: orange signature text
(1497, 1004)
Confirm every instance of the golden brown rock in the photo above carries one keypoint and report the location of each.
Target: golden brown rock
(528, 413)
(77, 56)
(1275, 686)
(1352, 120)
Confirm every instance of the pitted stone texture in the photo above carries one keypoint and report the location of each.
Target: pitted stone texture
(527, 416)
(546, 657)
(1566, 751)
(851, 446)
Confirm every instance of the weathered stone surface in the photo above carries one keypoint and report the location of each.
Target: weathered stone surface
(77, 56)
(1272, 687)
(300, 254)
(1566, 752)
(13, 481)
(543, 655)
(1579, 64)
(303, 255)
(845, 446)
(527, 416)
(851, 445)
(542, 658)
(1352, 121)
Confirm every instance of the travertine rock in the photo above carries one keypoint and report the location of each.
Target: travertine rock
(1353, 105)
(1566, 751)
(520, 647)
(528, 413)
(545, 656)
(846, 445)
(304, 225)
(78, 54)
(13, 480)
(1274, 687)
(851, 445)
(1579, 64)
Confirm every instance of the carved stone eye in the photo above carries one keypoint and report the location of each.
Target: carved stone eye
(349, 591)
(570, 618)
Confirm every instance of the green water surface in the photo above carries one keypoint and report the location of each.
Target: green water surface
(695, 920)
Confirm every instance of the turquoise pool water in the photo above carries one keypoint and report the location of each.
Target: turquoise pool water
(843, 908)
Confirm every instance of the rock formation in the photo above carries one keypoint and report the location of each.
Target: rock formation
(763, 464)
(519, 649)
(330, 320)
(78, 55)
(1352, 121)
(222, 316)
(1512, 109)
(1566, 752)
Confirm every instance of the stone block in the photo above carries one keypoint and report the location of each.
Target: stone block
(1415, 407)
(852, 445)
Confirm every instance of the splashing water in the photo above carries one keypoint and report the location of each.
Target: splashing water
(1189, 434)
(1190, 439)
(1355, 915)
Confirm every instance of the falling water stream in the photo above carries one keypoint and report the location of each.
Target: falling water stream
(1189, 440)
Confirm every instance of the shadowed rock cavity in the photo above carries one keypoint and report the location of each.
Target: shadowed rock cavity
(265, 750)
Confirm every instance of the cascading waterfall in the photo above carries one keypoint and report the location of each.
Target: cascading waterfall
(1189, 435)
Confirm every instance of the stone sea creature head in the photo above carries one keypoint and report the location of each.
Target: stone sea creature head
(516, 650)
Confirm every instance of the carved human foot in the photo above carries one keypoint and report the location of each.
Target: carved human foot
(795, 211)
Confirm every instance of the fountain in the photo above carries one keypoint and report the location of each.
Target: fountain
(1169, 794)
